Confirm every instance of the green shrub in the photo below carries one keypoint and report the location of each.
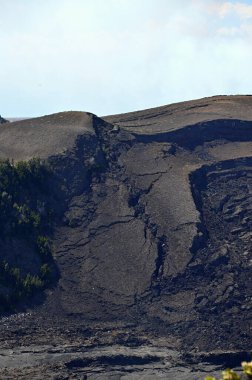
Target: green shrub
(31, 283)
(19, 286)
(26, 214)
(24, 208)
(45, 273)
(44, 246)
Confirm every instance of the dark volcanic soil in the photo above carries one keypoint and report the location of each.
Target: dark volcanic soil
(153, 249)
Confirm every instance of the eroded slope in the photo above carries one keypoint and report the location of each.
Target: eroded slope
(156, 217)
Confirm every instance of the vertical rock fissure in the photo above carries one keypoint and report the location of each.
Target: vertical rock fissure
(160, 241)
(161, 254)
(198, 183)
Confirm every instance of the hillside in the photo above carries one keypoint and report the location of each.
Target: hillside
(152, 234)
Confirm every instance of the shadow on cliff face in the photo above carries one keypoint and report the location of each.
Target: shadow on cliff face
(192, 136)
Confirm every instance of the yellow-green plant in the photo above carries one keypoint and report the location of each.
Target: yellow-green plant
(229, 374)
(247, 369)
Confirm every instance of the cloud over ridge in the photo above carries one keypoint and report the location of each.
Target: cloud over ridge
(116, 56)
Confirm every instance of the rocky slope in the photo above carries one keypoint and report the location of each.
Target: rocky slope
(154, 230)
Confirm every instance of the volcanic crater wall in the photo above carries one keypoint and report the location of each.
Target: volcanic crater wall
(148, 241)
(157, 224)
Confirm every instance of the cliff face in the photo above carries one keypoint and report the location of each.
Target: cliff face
(155, 224)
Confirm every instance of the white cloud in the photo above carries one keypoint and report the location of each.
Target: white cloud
(223, 9)
(118, 55)
(229, 31)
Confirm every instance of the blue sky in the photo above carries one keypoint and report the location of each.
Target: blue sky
(113, 56)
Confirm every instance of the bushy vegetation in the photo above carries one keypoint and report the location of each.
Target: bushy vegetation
(25, 214)
(229, 374)
(17, 286)
(23, 197)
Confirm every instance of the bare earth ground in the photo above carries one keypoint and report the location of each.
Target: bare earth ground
(153, 249)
